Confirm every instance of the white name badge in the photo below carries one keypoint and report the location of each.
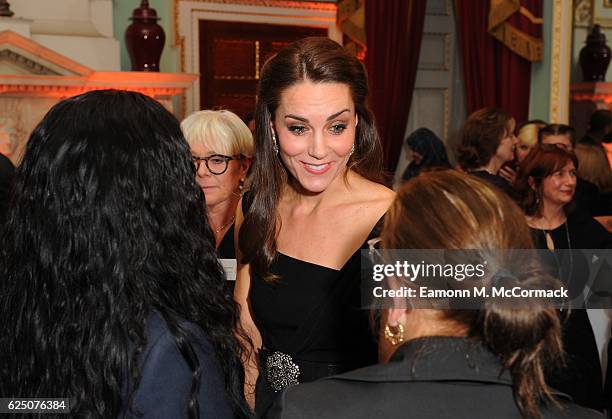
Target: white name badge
(229, 266)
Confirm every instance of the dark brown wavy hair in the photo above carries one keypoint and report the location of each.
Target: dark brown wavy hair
(319, 60)
(481, 136)
(107, 226)
(481, 217)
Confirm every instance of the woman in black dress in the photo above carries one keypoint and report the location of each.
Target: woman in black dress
(547, 184)
(316, 197)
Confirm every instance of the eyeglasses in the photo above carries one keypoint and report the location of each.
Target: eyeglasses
(216, 164)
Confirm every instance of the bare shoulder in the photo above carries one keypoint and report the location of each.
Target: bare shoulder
(370, 195)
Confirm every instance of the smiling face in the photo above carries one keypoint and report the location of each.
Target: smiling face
(223, 187)
(559, 187)
(315, 125)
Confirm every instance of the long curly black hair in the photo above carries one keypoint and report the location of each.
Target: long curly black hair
(107, 225)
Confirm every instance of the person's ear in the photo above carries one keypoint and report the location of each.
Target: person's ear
(245, 165)
(396, 316)
(532, 183)
(356, 119)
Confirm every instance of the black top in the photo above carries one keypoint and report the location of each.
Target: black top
(603, 205)
(226, 248)
(581, 377)
(494, 180)
(432, 377)
(583, 232)
(586, 197)
(312, 313)
(317, 303)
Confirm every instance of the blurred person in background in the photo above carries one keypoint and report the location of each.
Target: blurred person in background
(425, 151)
(562, 136)
(527, 138)
(593, 167)
(487, 143)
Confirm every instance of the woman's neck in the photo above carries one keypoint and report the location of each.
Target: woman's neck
(492, 167)
(221, 217)
(551, 217)
(310, 202)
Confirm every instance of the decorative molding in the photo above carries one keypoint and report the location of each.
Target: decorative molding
(446, 116)
(309, 5)
(583, 13)
(188, 13)
(420, 93)
(52, 60)
(445, 10)
(30, 66)
(602, 13)
(446, 39)
(560, 62)
(152, 84)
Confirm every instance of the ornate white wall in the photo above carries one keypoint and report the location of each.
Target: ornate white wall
(79, 29)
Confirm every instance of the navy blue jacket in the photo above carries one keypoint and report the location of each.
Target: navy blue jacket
(165, 386)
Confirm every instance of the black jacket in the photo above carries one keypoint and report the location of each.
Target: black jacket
(434, 377)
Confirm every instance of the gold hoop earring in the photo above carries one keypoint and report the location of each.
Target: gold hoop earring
(274, 143)
(394, 334)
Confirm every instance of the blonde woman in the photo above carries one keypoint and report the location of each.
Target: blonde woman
(222, 150)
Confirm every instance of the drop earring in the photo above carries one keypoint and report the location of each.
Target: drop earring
(274, 143)
(394, 334)
(352, 150)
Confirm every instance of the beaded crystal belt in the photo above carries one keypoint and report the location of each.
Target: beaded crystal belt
(281, 371)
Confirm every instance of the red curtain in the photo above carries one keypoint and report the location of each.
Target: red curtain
(394, 30)
(494, 75)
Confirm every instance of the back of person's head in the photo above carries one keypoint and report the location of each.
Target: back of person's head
(430, 147)
(220, 131)
(528, 132)
(594, 166)
(106, 226)
(481, 217)
(601, 121)
(542, 162)
(557, 130)
(481, 136)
